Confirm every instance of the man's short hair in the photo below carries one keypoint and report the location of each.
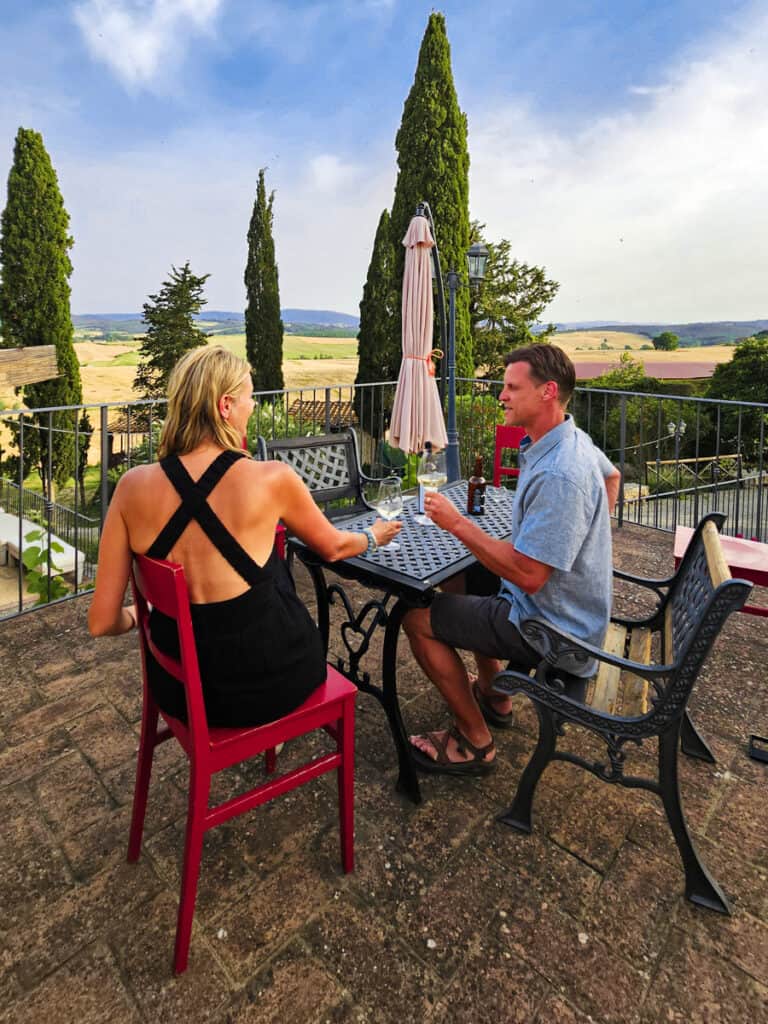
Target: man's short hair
(547, 362)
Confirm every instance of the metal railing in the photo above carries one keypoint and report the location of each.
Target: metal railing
(679, 456)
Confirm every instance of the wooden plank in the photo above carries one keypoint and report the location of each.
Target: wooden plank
(28, 365)
(604, 693)
(634, 690)
(716, 563)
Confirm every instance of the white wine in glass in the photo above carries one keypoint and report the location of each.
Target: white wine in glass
(431, 474)
(389, 505)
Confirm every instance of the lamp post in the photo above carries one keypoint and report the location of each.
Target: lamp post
(477, 257)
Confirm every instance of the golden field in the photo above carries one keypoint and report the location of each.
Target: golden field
(108, 369)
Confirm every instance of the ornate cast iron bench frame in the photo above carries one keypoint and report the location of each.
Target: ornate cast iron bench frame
(692, 607)
(329, 464)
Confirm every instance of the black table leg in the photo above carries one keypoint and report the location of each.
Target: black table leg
(408, 780)
(356, 633)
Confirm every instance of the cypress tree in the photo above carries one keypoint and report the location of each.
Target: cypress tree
(433, 162)
(378, 340)
(34, 300)
(263, 324)
(171, 330)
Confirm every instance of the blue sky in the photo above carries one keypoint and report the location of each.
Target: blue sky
(622, 145)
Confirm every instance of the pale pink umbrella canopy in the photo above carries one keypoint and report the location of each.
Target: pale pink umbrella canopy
(417, 416)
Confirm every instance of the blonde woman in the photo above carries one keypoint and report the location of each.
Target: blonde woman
(209, 507)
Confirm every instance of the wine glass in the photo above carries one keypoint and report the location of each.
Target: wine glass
(431, 474)
(389, 505)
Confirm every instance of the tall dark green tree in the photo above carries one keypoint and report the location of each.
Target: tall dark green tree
(378, 340)
(263, 325)
(34, 301)
(506, 304)
(433, 162)
(171, 330)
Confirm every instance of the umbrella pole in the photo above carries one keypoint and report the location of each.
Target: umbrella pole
(452, 448)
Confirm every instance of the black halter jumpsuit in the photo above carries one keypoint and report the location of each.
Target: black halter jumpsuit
(260, 653)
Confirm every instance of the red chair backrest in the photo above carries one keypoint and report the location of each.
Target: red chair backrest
(506, 437)
(162, 585)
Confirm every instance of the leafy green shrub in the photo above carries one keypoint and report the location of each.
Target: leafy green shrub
(35, 561)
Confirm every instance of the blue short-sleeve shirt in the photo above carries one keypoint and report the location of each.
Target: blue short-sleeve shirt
(561, 518)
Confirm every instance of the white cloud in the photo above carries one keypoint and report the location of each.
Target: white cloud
(658, 213)
(329, 173)
(141, 39)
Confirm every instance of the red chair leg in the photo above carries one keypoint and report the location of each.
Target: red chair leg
(270, 761)
(199, 789)
(143, 773)
(346, 782)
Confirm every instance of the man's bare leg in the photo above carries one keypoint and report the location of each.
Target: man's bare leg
(446, 670)
(487, 667)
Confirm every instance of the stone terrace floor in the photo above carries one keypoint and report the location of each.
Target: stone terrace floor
(449, 916)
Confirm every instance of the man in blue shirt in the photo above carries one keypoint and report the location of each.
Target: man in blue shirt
(556, 566)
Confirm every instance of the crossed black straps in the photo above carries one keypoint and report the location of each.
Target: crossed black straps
(194, 505)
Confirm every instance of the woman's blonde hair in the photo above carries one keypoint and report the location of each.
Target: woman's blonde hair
(197, 384)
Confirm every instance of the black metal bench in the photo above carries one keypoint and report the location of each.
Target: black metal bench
(635, 697)
(329, 464)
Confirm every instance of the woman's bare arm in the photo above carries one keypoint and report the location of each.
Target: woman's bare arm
(107, 616)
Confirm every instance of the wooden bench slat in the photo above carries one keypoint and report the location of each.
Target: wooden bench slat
(604, 691)
(713, 549)
(634, 697)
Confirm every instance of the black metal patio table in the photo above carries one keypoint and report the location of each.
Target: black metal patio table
(408, 577)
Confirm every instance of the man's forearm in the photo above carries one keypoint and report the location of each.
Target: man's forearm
(500, 557)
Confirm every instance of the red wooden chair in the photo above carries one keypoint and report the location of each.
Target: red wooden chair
(506, 437)
(162, 585)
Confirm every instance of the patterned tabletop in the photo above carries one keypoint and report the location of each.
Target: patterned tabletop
(427, 555)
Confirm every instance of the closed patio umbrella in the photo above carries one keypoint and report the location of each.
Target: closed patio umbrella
(417, 416)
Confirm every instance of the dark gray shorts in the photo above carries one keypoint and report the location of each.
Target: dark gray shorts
(481, 624)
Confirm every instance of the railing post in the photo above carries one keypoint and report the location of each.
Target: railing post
(327, 410)
(622, 455)
(103, 480)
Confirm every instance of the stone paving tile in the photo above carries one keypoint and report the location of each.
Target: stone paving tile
(493, 985)
(71, 795)
(597, 981)
(51, 716)
(741, 823)
(294, 988)
(143, 946)
(555, 1010)
(19, 698)
(275, 907)
(31, 868)
(385, 979)
(544, 869)
(88, 990)
(55, 931)
(29, 759)
(742, 939)
(595, 822)
(105, 842)
(69, 679)
(652, 888)
(104, 737)
(455, 912)
(694, 987)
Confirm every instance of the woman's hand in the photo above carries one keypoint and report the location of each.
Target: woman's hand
(441, 511)
(385, 532)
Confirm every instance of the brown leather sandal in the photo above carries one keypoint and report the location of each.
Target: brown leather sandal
(441, 765)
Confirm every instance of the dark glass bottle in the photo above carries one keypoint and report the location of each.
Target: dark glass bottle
(476, 490)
